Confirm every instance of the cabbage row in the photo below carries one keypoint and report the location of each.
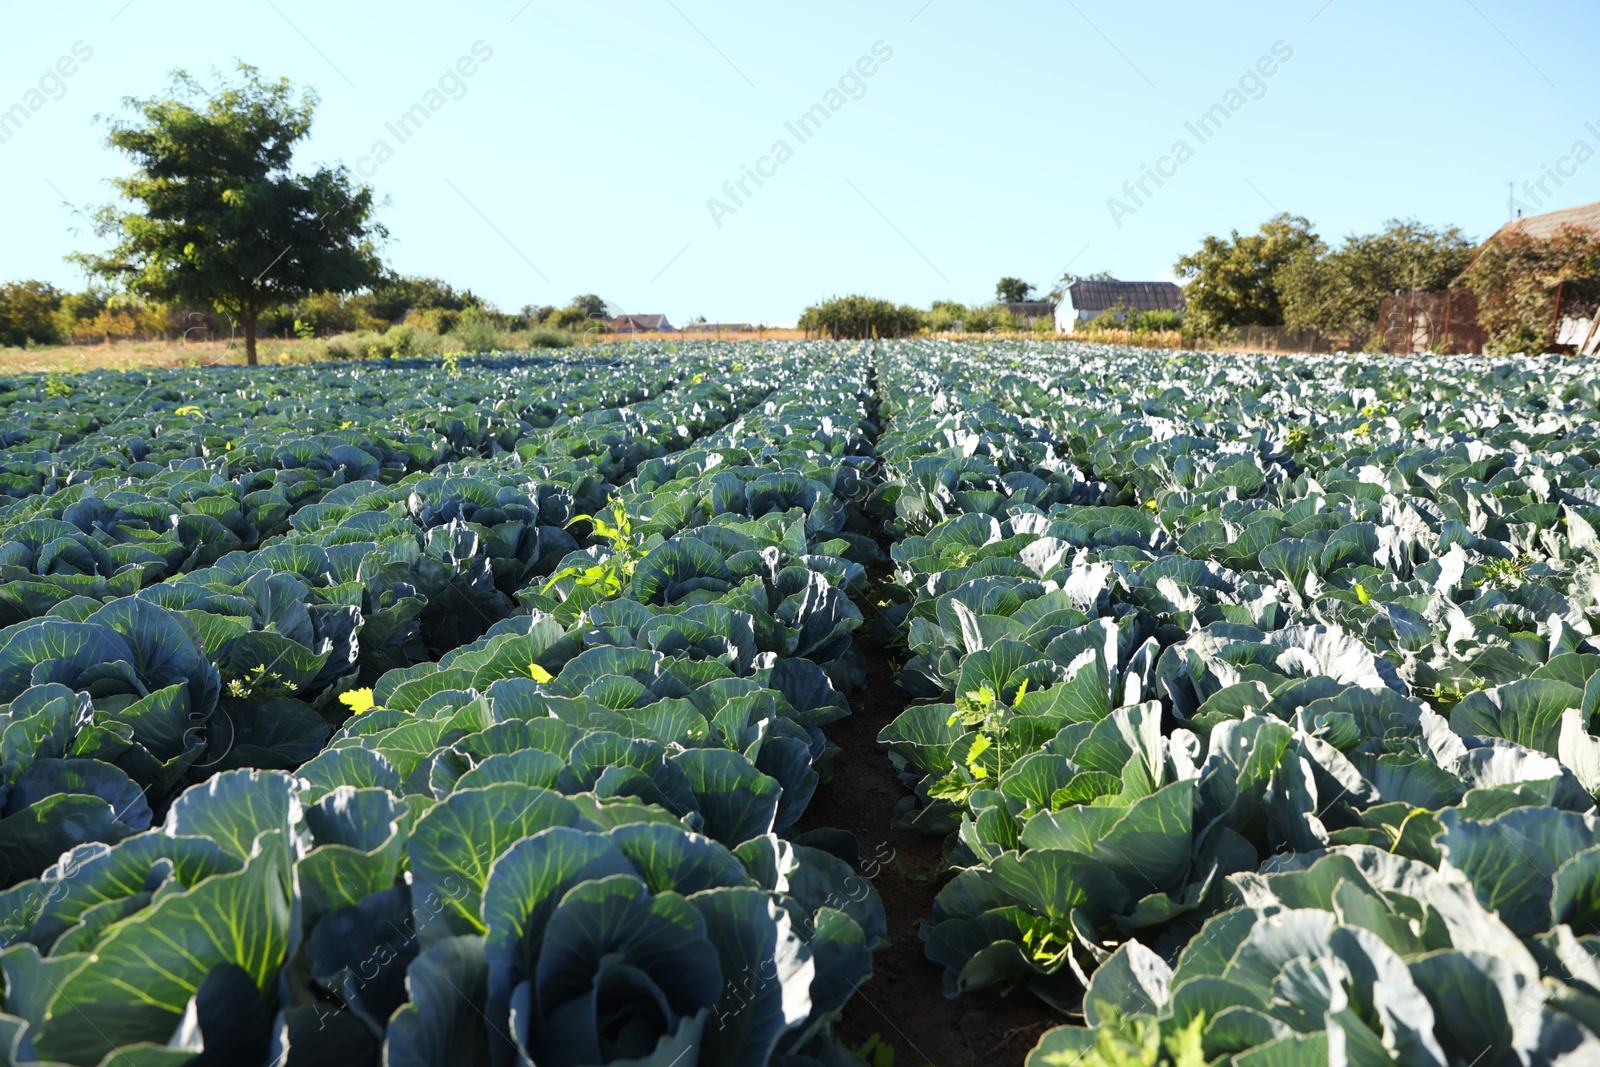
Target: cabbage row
(1256, 696)
(239, 663)
(184, 473)
(558, 827)
(421, 714)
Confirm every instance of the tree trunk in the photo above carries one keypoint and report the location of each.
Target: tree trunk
(250, 340)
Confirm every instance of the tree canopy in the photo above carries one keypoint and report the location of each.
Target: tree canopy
(219, 217)
(860, 317)
(1339, 290)
(27, 312)
(1232, 282)
(1012, 290)
(395, 295)
(590, 304)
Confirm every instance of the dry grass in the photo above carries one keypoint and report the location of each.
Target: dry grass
(137, 355)
(1140, 338)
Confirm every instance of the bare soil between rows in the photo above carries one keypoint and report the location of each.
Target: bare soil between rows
(904, 1002)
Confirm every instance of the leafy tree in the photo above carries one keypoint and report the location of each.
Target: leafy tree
(1516, 279)
(79, 313)
(1339, 291)
(591, 306)
(944, 314)
(475, 331)
(396, 294)
(320, 314)
(995, 317)
(1012, 290)
(28, 313)
(570, 318)
(1234, 282)
(861, 317)
(220, 218)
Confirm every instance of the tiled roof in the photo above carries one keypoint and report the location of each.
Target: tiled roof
(640, 322)
(1140, 296)
(1586, 217)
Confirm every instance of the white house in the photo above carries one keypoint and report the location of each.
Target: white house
(1085, 300)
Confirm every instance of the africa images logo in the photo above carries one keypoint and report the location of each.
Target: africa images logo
(852, 85)
(1252, 85)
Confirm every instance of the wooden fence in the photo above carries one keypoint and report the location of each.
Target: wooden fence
(1445, 322)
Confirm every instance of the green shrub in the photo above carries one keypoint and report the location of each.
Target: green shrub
(79, 311)
(860, 317)
(945, 314)
(978, 320)
(28, 313)
(403, 341)
(433, 320)
(569, 318)
(397, 297)
(345, 347)
(321, 314)
(536, 316)
(410, 342)
(547, 338)
(1517, 278)
(1122, 317)
(474, 331)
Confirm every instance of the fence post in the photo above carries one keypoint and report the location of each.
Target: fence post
(1555, 327)
(1411, 324)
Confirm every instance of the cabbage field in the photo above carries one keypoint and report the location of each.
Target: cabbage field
(480, 712)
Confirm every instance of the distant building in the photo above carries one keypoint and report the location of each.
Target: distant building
(1541, 227)
(1085, 300)
(1576, 326)
(640, 324)
(1030, 311)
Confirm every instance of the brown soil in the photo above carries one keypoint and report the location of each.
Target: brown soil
(904, 1002)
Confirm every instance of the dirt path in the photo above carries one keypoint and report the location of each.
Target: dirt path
(904, 1002)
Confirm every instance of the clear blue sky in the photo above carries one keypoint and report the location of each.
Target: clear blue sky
(581, 155)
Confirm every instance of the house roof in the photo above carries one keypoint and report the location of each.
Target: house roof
(1540, 227)
(1140, 296)
(639, 322)
(1031, 308)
